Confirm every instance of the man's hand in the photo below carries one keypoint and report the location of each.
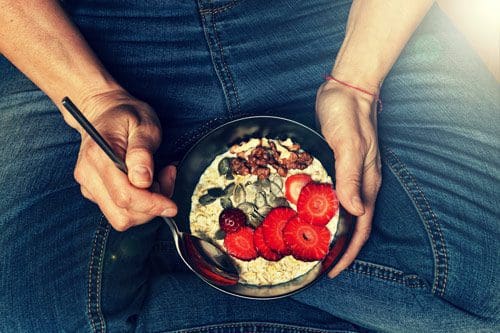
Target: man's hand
(349, 124)
(132, 129)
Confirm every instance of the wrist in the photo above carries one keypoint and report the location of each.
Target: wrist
(363, 79)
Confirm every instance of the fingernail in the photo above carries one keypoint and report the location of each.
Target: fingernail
(172, 173)
(358, 204)
(141, 174)
(169, 212)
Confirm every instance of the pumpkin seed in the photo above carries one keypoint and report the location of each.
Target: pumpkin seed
(224, 166)
(239, 195)
(247, 208)
(260, 199)
(275, 178)
(229, 189)
(280, 202)
(220, 234)
(264, 210)
(275, 189)
(226, 203)
(255, 219)
(206, 199)
(216, 192)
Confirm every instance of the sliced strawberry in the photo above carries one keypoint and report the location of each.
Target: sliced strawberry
(317, 203)
(262, 248)
(294, 185)
(272, 228)
(306, 241)
(240, 244)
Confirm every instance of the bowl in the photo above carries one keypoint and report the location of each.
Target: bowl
(218, 141)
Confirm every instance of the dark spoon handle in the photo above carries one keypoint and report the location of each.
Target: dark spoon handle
(87, 126)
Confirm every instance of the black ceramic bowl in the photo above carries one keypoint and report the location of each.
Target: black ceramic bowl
(218, 141)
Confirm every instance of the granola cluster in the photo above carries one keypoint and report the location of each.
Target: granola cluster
(261, 157)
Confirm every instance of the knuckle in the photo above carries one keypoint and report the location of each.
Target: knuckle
(85, 193)
(91, 152)
(78, 175)
(121, 223)
(121, 198)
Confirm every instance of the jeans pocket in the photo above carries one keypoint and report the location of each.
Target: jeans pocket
(389, 274)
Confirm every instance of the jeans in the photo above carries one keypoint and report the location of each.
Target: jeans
(431, 264)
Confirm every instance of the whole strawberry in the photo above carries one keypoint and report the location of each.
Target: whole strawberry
(232, 220)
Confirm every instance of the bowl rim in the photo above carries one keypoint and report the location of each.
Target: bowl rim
(343, 214)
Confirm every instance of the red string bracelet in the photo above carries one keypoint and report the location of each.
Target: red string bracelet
(376, 96)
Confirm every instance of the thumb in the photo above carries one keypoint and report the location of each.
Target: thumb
(348, 174)
(139, 159)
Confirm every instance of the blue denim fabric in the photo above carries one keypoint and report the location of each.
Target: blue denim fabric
(431, 264)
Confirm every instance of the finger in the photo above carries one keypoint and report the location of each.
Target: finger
(167, 180)
(86, 194)
(142, 142)
(127, 196)
(348, 175)
(359, 238)
(371, 185)
(120, 218)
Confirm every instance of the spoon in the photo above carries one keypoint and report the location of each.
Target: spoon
(202, 257)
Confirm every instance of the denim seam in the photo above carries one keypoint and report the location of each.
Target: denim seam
(387, 273)
(219, 9)
(225, 65)
(95, 275)
(290, 328)
(219, 59)
(188, 138)
(427, 216)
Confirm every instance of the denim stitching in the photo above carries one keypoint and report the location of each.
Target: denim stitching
(218, 59)
(189, 138)
(289, 328)
(224, 64)
(95, 272)
(428, 217)
(219, 9)
(387, 273)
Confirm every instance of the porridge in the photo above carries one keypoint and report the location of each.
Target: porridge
(270, 205)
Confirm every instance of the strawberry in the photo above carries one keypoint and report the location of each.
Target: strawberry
(317, 203)
(306, 241)
(232, 219)
(240, 244)
(272, 228)
(262, 248)
(294, 185)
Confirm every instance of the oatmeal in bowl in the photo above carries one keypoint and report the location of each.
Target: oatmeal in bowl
(270, 205)
(260, 189)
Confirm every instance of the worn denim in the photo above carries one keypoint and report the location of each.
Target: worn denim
(431, 264)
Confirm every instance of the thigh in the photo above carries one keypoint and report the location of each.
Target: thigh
(433, 253)
(46, 228)
(63, 268)
(439, 162)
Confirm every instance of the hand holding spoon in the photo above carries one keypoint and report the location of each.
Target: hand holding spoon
(204, 258)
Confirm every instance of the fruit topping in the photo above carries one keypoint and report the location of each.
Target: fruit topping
(273, 226)
(294, 185)
(262, 248)
(240, 244)
(232, 220)
(317, 203)
(307, 242)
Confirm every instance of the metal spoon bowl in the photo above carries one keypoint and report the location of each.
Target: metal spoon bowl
(205, 259)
